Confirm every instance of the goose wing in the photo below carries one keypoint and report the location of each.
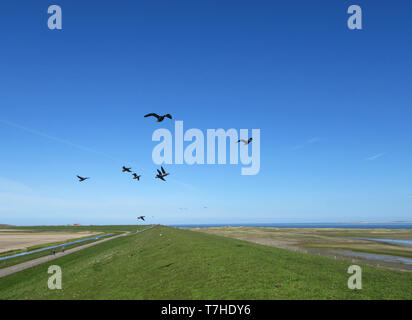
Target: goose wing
(152, 115)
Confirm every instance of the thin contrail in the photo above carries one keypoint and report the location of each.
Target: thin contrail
(66, 142)
(183, 184)
(78, 146)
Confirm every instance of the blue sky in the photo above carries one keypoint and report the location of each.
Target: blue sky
(333, 106)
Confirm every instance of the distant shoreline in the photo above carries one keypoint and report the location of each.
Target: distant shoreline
(388, 222)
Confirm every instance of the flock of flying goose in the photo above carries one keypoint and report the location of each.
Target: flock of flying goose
(161, 174)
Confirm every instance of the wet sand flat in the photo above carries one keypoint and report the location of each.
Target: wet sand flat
(329, 241)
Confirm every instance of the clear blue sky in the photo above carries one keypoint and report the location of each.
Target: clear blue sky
(333, 106)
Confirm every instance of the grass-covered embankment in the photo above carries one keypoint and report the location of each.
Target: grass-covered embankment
(183, 264)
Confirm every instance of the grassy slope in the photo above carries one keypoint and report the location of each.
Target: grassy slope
(185, 264)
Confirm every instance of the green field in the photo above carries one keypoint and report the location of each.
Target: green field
(184, 264)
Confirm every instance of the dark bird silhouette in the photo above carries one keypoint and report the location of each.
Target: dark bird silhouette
(124, 169)
(82, 179)
(244, 141)
(161, 174)
(141, 217)
(159, 118)
(164, 172)
(135, 176)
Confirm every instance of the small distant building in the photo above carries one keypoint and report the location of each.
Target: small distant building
(76, 224)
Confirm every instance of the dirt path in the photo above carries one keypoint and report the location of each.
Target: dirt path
(28, 264)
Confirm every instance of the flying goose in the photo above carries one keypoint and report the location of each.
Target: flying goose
(164, 172)
(161, 174)
(81, 179)
(245, 142)
(159, 118)
(124, 169)
(135, 176)
(141, 217)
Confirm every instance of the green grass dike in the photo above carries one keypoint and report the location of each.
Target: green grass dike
(170, 263)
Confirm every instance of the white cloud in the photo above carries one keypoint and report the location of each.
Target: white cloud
(374, 157)
(313, 140)
(7, 185)
(309, 141)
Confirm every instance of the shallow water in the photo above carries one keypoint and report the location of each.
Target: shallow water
(373, 256)
(404, 242)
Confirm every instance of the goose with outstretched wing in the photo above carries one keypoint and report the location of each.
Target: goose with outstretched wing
(245, 141)
(159, 118)
(161, 174)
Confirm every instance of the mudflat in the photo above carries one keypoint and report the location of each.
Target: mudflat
(332, 242)
(12, 240)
